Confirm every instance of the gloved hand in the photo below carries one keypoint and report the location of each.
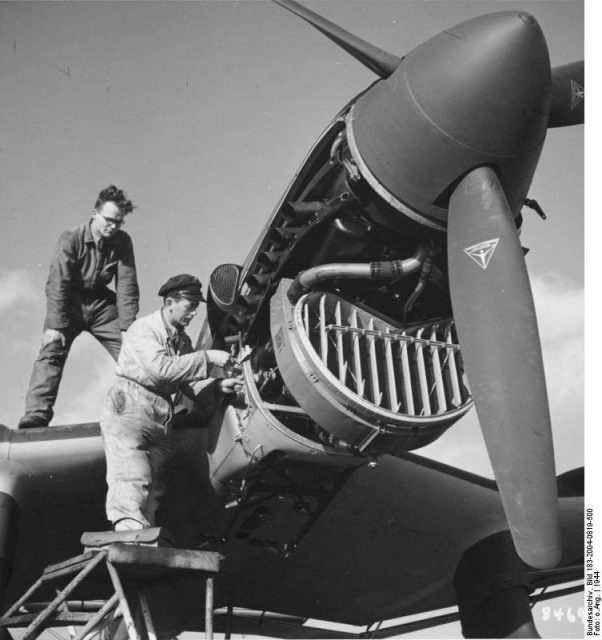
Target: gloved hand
(53, 335)
(218, 358)
(231, 385)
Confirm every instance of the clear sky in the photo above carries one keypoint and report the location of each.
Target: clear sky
(202, 112)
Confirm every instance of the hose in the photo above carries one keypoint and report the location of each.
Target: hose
(380, 271)
(422, 282)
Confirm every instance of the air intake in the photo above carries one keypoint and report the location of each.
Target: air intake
(223, 284)
(356, 374)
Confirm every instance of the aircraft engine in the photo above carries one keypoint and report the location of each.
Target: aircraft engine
(354, 345)
(401, 228)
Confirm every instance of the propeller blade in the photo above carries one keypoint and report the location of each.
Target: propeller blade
(497, 330)
(377, 60)
(568, 89)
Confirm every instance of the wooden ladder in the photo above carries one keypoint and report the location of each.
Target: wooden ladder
(141, 566)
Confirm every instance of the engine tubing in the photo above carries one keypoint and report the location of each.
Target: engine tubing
(380, 271)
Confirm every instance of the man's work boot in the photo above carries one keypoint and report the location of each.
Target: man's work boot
(127, 524)
(32, 422)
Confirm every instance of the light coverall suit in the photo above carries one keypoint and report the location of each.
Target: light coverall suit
(78, 299)
(155, 362)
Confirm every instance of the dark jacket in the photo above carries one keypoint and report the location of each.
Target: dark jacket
(80, 272)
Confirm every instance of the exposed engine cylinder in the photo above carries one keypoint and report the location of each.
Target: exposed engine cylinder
(358, 376)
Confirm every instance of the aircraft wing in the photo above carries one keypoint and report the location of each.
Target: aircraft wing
(385, 542)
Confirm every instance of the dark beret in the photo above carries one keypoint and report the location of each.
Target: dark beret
(183, 285)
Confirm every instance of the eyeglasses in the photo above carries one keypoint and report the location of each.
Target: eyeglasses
(113, 221)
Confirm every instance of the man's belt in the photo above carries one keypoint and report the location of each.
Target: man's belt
(165, 397)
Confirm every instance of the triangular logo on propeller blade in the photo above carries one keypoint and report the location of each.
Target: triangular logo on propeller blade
(481, 253)
(577, 94)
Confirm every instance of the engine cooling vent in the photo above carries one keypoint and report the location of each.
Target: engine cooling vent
(223, 283)
(416, 372)
(351, 370)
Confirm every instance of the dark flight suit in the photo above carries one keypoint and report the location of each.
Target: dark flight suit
(78, 299)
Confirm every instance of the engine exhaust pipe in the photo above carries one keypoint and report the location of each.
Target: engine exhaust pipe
(380, 271)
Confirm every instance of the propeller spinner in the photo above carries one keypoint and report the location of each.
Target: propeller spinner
(451, 139)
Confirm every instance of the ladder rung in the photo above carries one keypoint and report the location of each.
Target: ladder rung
(110, 606)
(60, 619)
(58, 573)
(21, 620)
(84, 606)
(73, 563)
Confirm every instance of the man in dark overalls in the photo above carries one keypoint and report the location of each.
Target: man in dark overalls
(85, 260)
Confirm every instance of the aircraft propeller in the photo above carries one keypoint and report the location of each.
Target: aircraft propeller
(567, 106)
(497, 328)
(377, 60)
(489, 285)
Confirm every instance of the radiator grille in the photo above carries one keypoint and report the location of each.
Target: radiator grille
(415, 371)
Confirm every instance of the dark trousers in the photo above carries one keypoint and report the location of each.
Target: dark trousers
(98, 317)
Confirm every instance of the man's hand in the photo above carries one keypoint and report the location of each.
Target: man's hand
(53, 335)
(218, 358)
(231, 385)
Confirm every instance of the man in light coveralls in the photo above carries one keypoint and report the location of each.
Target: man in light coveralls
(156, 361)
